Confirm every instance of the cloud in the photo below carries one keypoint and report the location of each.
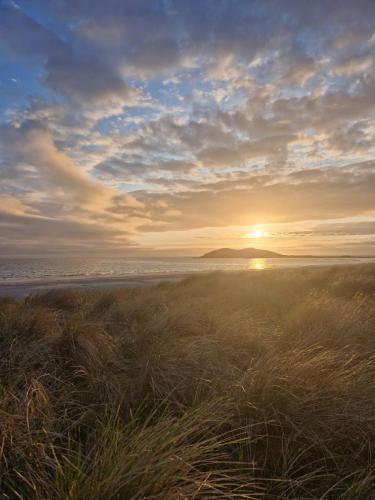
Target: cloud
(353, 65)
(26, 37)
(23, 233)
(64, 207)
(13, 207)
(245, 202)
(82, 78)
(352, 228)
(210, 113)
(89, 81)
(33, 145)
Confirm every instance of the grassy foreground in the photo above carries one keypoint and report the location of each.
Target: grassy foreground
(236, 385)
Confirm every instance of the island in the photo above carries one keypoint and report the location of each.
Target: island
(257, 253)
(243, 253)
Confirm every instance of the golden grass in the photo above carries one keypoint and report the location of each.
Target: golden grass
(227, 385)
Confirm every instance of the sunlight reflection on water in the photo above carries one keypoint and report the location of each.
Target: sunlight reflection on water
(78, 267)
(257, 264)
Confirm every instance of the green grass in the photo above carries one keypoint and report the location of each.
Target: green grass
(227, 385)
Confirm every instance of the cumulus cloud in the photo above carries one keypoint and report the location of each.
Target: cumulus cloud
(134, 116)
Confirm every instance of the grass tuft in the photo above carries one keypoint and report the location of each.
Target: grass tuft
(226, 385)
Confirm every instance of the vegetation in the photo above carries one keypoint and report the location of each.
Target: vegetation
(227, 385)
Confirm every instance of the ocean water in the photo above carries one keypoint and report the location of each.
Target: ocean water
(25, 269)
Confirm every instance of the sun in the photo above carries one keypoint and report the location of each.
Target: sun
(257, 233)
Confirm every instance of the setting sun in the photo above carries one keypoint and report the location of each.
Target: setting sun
(256, 233)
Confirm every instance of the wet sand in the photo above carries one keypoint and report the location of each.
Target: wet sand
(21, 288)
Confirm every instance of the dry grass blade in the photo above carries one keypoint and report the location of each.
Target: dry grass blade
(239, 385)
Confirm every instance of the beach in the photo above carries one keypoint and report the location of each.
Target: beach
(21, 277)
(22, 288)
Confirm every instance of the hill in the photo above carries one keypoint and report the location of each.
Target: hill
(243, 253)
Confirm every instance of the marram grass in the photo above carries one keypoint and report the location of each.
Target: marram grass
(227, 385)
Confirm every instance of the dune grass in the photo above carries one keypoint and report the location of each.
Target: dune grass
(227, 385)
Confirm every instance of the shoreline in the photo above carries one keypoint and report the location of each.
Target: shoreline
(23, 287)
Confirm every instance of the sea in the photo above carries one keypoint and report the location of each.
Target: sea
(18, 269)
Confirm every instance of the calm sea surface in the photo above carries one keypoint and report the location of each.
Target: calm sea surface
(16, 269)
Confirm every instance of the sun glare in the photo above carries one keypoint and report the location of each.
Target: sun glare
(256, 233)
(257, 264)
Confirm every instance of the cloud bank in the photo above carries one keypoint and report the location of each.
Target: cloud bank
(125, 119)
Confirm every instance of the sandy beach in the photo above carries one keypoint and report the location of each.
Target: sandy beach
(23, 288)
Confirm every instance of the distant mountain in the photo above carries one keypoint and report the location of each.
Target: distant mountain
(243, 253)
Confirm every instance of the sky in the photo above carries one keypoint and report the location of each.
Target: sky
(175, 127)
